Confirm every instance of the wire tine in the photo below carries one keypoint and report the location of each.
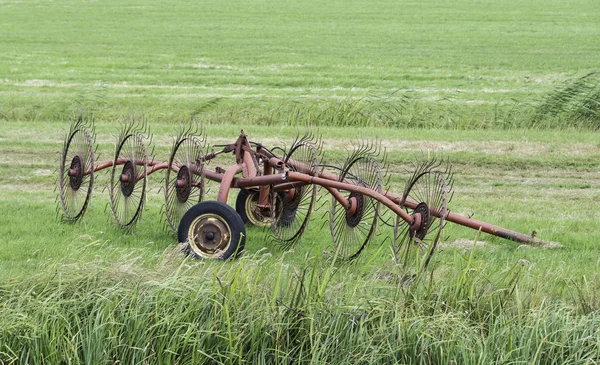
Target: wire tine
(387, 239)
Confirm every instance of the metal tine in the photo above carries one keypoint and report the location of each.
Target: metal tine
(386, 220)
(386, 239)
(271, 238)
(107, 210)
(85, 120)
(448, 175)
(282, 149)
(268, 236)
(133, 125)
(421, 165)
(308, 138)
(367, 149)
(324, 215)
(151, 157)
(324, 198)
(321, 201)
(185, 130)
(196, 130)
(386, 178)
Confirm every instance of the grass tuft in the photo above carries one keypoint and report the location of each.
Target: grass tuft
(574, 104)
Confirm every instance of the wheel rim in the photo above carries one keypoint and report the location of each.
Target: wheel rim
(209, 235)
(256, 218)
(426, 220)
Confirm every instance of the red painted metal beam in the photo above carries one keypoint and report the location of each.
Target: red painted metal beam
(296, 176)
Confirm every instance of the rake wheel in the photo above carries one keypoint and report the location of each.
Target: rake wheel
(352, 229)
(128, 178)
(76, 172)
(427, 194)
(290, 210)
(184, 181)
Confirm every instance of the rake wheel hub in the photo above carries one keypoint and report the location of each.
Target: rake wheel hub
(423, 210)
(183, 184)
(128, 178)
(355, 213)
(76, 173)
(290, 203)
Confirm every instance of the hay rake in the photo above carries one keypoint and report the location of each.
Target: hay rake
(277, 188)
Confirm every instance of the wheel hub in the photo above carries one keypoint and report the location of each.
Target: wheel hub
(259, 216)
(76, 173)
(128, 178)
(183, 184)
(421, 231)
(357, 212)
(209, 233)
(289, 207)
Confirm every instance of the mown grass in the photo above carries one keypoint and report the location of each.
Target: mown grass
(460, 65)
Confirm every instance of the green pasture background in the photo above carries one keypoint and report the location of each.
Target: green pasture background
(497, 87)
(437, 63)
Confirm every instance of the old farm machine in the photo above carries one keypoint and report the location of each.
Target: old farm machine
(277, 188)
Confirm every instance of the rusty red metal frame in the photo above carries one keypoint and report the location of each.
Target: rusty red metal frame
(283, 176)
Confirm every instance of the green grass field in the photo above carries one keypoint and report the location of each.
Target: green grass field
(494, 86)
(462, 64)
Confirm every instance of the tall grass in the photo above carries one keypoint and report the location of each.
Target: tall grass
(575, 103)
(398, 110)
(393, 110)
(264, 310)
(572, 104)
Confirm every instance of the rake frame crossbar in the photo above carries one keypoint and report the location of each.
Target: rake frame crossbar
(290, 175)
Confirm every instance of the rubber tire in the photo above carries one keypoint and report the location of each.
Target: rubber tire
(233, 219)
(240, 205)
